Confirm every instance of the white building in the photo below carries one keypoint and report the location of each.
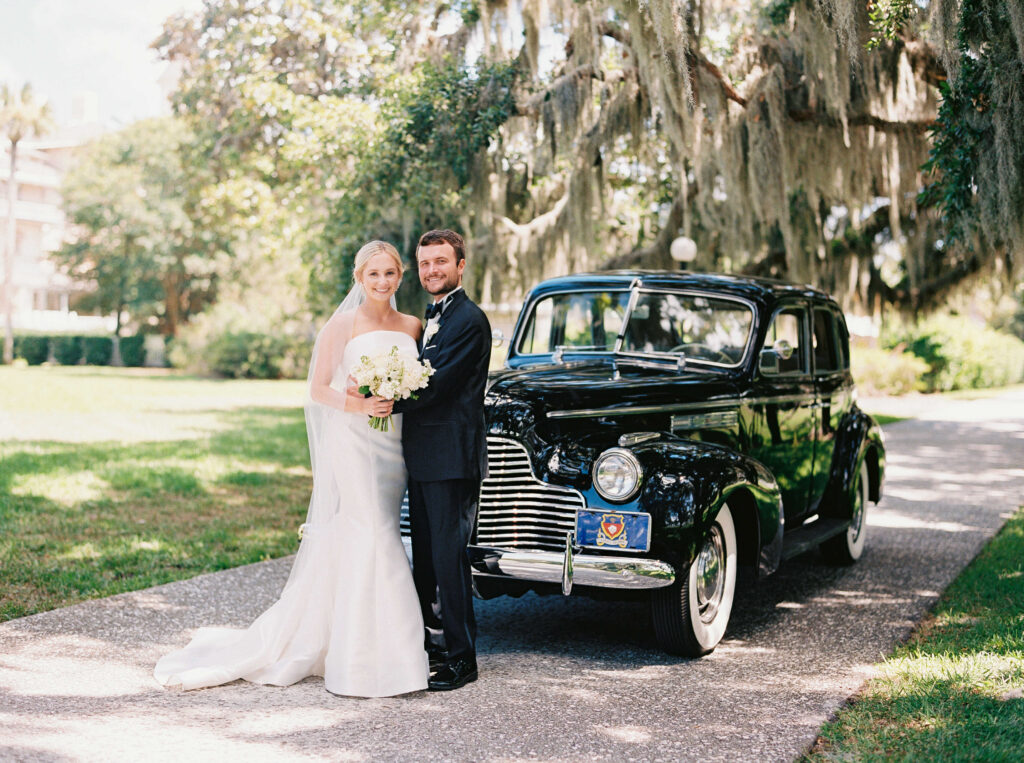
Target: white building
(42, 297)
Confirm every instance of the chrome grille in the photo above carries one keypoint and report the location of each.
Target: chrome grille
(516, 509)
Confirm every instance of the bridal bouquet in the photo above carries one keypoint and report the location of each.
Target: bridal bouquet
(392, 375)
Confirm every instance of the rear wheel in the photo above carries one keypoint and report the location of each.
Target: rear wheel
(691, 615)
(848, 547)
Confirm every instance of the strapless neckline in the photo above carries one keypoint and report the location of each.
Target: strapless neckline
(381, 331)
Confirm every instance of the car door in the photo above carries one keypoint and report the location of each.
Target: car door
(833, 387)
(781, 408)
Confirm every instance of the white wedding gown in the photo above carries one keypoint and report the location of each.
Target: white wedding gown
(349, 611)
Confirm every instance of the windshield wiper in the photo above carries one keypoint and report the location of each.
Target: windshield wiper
(561, 349)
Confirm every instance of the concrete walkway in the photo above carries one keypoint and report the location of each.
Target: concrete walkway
(561, 679)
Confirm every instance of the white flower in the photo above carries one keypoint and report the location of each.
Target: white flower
(432, 327)
(392, 375)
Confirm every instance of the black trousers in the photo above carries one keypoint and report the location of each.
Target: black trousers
(441, 517)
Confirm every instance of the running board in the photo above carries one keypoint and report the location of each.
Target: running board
(807, 537)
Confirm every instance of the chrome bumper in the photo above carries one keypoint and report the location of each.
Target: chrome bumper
(569, 567)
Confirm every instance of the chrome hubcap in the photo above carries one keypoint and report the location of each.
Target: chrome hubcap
(710, 582)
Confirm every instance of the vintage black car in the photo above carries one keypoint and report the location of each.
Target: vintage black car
(654, 432)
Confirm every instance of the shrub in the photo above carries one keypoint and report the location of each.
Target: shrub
(67, 350)
(961, 354)
(243, 341)
(34, 349)
(254, 355)
(133, 350)
(886, 372)
(98, 350)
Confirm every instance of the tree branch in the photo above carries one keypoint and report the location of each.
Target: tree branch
(923, 60)
(860, 120)
(610, 29)
(696, 59)
(531, 106)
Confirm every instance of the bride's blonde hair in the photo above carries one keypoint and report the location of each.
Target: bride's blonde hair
(372, 248)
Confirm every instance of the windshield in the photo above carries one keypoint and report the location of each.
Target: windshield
(696, 326)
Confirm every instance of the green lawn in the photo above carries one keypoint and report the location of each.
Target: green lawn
(114, 480)
(884, 419)
(954, 691)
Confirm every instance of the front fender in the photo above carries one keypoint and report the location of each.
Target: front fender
(686, 483)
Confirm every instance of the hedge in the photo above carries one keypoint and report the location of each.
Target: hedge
(34, 349)
(98, 350)
(133, 350)
(67, 350)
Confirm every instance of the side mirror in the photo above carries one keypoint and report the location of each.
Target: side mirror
(769, 361)
(498, 338)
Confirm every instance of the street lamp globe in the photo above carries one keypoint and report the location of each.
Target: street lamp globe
(683, 250)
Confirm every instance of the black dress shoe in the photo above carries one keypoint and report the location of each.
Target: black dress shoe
(453, 675)
(437, 660)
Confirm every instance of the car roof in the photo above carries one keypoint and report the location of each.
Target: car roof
(760, 290)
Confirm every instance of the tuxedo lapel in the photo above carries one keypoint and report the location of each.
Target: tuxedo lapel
(447, 317)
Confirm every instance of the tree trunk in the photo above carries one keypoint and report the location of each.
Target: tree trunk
(172, 305)
(12, 241)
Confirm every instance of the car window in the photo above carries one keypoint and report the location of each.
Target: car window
(695, 326)
(584, 321)
(787, 326)
(844, 342)
(826, 345)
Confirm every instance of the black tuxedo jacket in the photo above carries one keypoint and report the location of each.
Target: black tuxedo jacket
(443, 431)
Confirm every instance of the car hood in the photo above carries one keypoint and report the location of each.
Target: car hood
(525, 397)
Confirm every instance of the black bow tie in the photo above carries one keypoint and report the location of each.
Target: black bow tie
(438, 308)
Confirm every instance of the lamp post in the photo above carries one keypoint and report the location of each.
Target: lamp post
(683, 250)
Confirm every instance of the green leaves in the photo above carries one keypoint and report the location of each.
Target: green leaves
(976, 161)
(887, 19)
(127, 198)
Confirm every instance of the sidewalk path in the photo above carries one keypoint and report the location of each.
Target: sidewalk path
(561, 679)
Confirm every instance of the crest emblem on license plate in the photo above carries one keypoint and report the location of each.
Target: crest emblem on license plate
(612, 531)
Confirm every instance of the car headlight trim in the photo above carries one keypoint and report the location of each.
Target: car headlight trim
(617, 474)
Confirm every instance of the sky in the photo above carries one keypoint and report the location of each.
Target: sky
(67, 46)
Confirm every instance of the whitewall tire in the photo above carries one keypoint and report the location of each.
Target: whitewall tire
(690, 616)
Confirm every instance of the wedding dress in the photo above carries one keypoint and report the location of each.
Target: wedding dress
(349, 611)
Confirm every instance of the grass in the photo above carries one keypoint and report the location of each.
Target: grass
(885, 419)
(953, 692)
(980, 394)
(115, 480)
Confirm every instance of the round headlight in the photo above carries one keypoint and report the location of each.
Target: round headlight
(617, 474)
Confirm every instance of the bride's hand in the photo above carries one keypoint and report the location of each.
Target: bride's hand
(378, 406)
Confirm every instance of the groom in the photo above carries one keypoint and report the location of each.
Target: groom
(445, 449)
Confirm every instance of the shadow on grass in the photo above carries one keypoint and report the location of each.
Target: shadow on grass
(953, 691)
(86, 520)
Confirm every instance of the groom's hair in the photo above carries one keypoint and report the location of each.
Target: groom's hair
(443, 236)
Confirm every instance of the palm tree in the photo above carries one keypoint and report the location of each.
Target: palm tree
(21, 116)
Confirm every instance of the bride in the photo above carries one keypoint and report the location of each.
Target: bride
(349, 611)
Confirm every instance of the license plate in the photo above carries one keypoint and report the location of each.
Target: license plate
(624, 530)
